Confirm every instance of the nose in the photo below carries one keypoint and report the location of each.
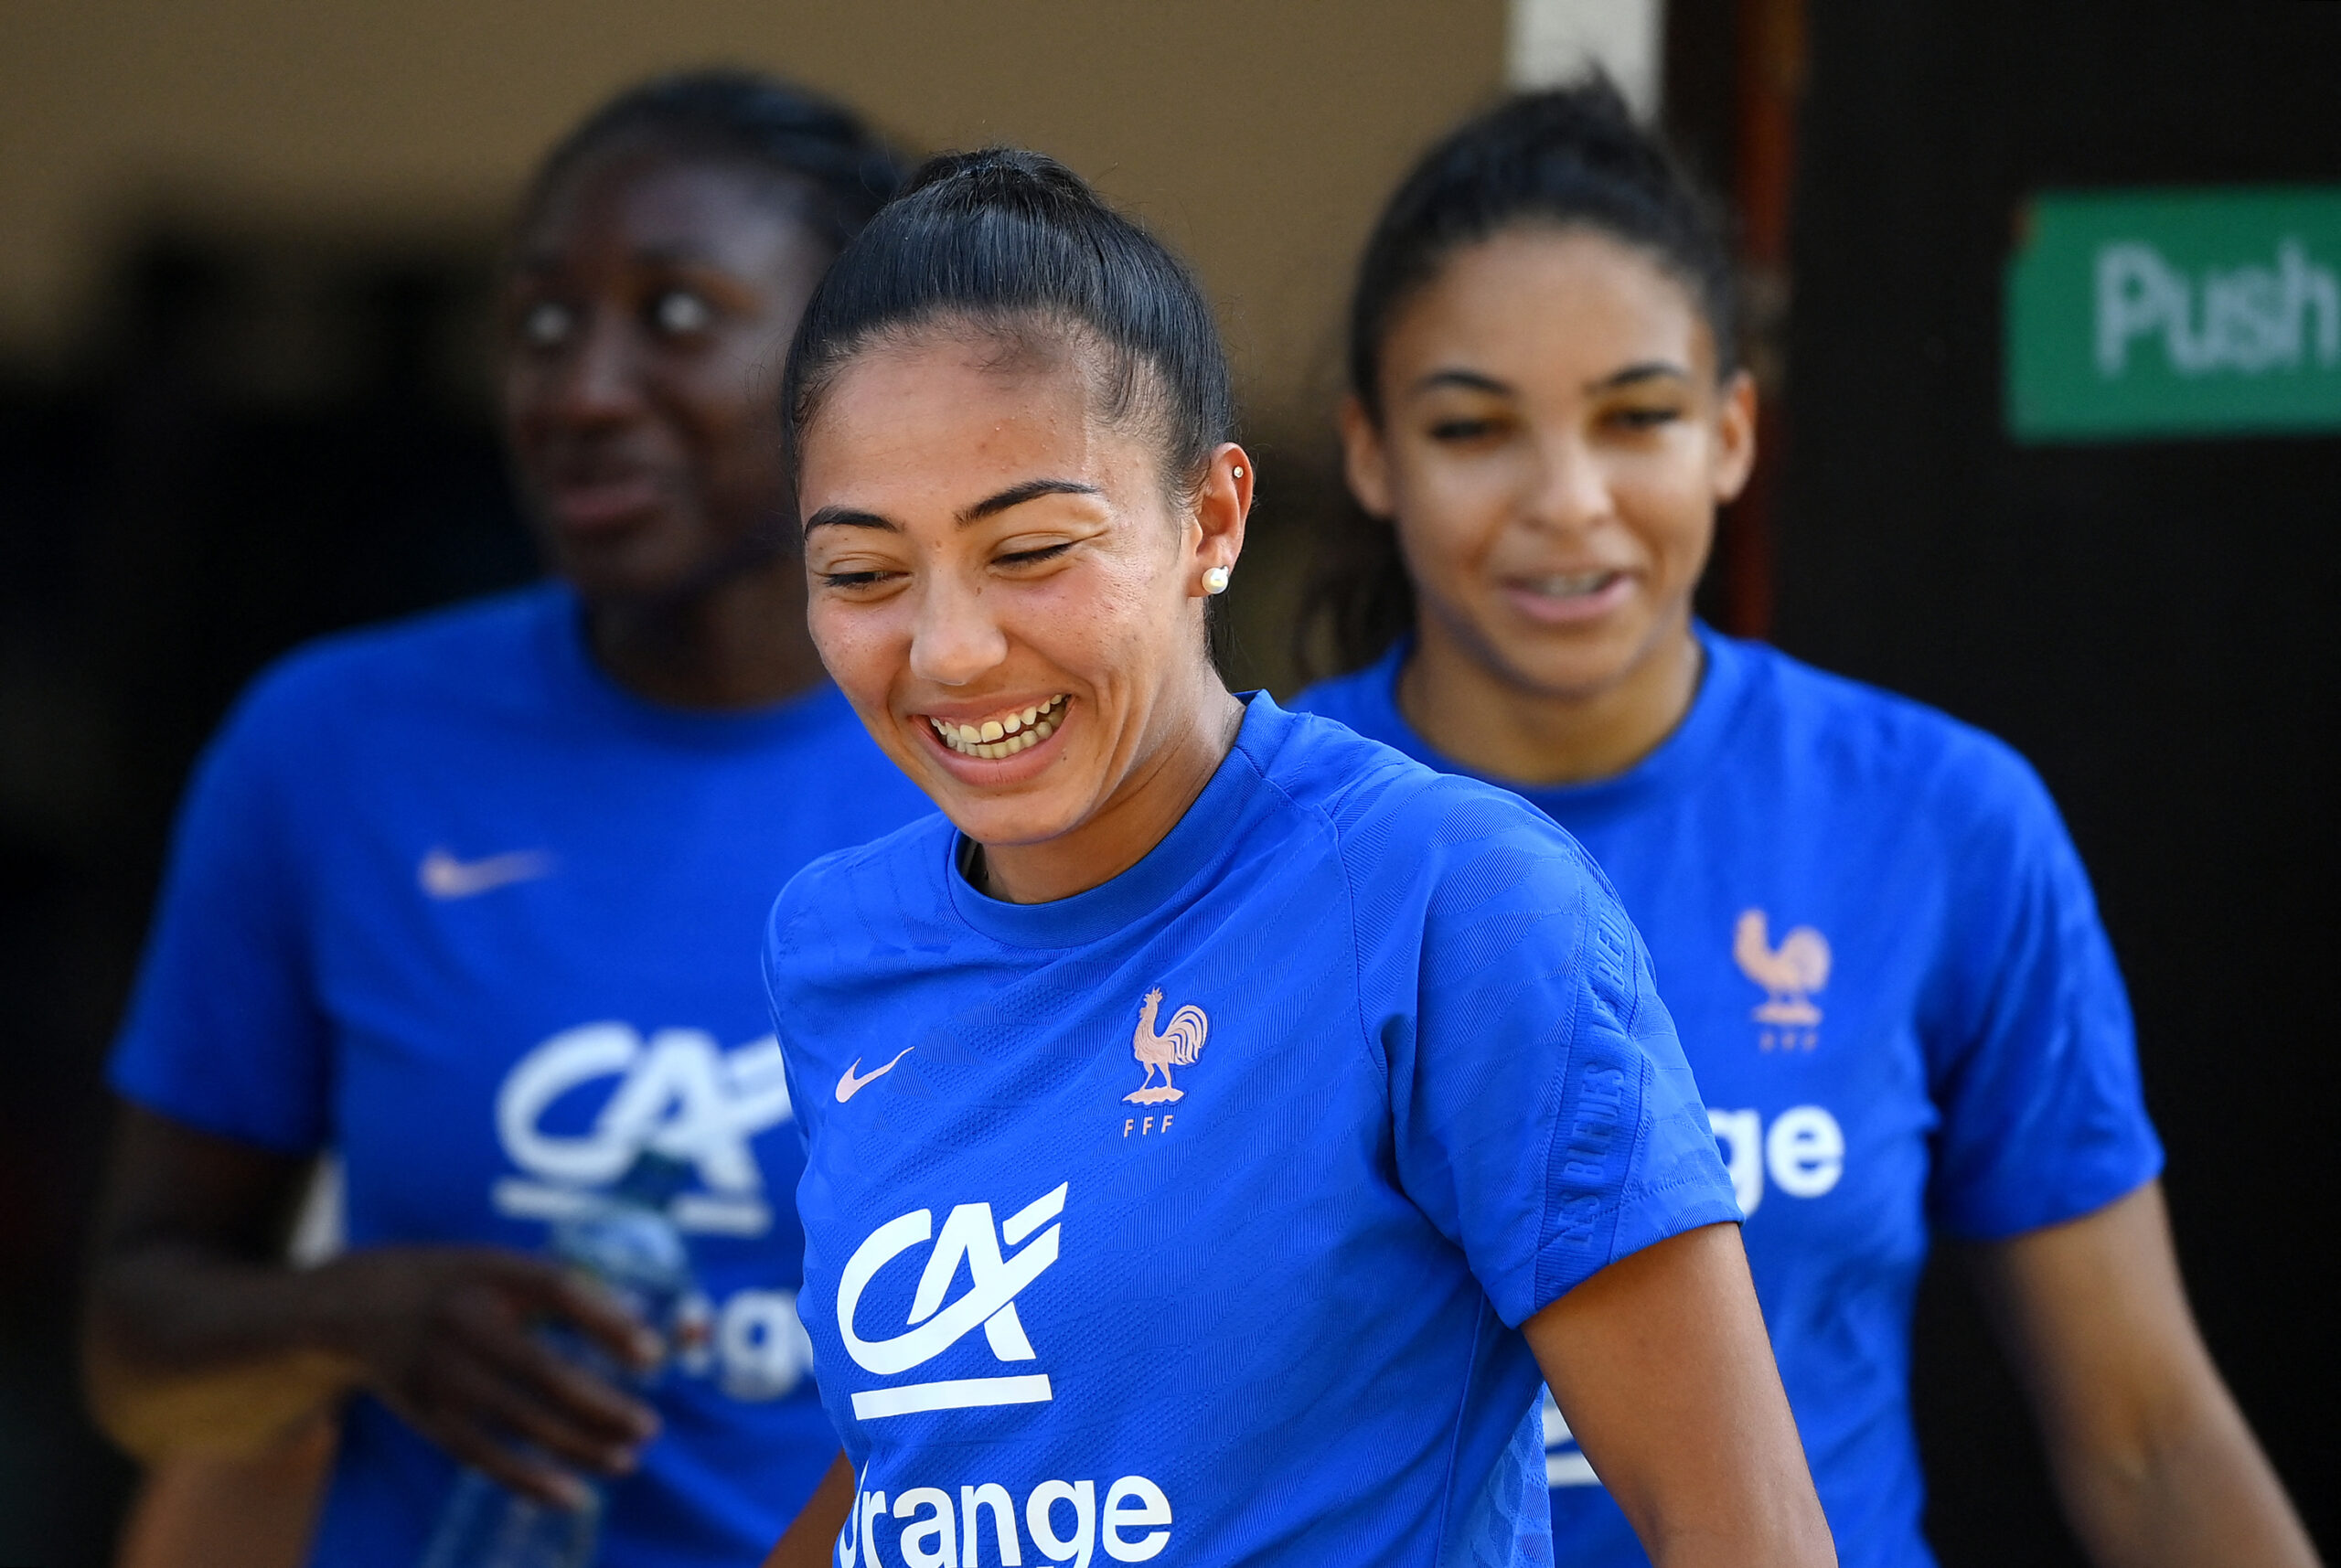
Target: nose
(598, 381)
(1569, 491)
(955, 640)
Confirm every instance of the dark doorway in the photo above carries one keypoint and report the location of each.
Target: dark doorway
(266, 436)
(2156, 624)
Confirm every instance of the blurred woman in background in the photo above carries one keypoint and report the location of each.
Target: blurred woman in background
(1868, 920)
(473, 899)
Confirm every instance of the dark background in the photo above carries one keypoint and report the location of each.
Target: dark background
(2154, 623)
(165, 528)
(2157, 625)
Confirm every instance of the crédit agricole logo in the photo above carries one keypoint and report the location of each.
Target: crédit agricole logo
(995, 1278)
(677, 1093)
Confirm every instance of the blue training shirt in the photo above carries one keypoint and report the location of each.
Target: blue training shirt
(1886, 963)
(448, 901)
(1191, 1219)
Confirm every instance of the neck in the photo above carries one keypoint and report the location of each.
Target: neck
(1140, 813)
(1495, 725)
(737, 643)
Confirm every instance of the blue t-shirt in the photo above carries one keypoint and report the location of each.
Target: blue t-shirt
(1192, 1217)
(447, 900)
(1882, 952)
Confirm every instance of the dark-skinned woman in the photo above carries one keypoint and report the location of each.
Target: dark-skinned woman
(1868, 920)
(1217, 1124)
(473, 901)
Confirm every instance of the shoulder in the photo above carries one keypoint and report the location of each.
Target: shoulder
(837, 890)
(1356, 699)
(831, 758)
(357, 693)
(1865, 741)
(1408, 835)
(441, 655)
(849, 930)
(825, 714)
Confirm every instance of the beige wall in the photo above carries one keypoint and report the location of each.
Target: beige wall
(1257, 135)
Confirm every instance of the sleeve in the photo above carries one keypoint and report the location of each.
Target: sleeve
(777, 927)
(794, 935)
(1544, 1117)
(2032, 1055)
(224, 1032)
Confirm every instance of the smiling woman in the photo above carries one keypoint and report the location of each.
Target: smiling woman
(1544, 415)
(1014, 486)
(1429, 1133)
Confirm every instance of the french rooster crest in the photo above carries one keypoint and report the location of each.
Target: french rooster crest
(1177, 1046)
(1790, 974)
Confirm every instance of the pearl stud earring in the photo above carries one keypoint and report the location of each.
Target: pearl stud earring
(1239, 471)
(1215, 580)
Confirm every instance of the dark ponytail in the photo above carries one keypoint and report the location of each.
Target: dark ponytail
(1572, 157)
(1016, 244)
(835, 171)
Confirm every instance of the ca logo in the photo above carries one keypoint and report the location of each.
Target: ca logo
(994, 1280)
(676, 1092)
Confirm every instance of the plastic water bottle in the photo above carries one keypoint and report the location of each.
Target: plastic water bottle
(625, 1239)
(486, 1526)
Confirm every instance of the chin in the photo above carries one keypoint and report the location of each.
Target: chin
(1002, 821)
(1574, 667)
(1031, 799)
(643, 564)
(1029, 813)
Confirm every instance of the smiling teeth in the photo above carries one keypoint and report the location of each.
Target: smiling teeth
(1006, 735)
(1571, 587)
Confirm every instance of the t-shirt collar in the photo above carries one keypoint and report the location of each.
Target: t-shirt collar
(1187, 854)
(568, 660)
(1676, 763)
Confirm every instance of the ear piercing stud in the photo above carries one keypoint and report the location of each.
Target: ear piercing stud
(1215, 580)
(1239, 471)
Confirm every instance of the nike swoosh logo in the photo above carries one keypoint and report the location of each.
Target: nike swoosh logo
(848, 1085)
(445, 877)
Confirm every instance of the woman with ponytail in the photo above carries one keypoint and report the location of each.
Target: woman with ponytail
(1869, 922)
(1217, 1126)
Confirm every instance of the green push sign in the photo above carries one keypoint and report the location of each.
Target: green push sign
(2175, 313)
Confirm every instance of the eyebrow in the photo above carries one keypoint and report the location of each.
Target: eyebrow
(1477, 381)
(1473, 379)
(675, 256)
(848, 517)
(536, 263)
(1016, 495)
(1648, 370)
(990, 506)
